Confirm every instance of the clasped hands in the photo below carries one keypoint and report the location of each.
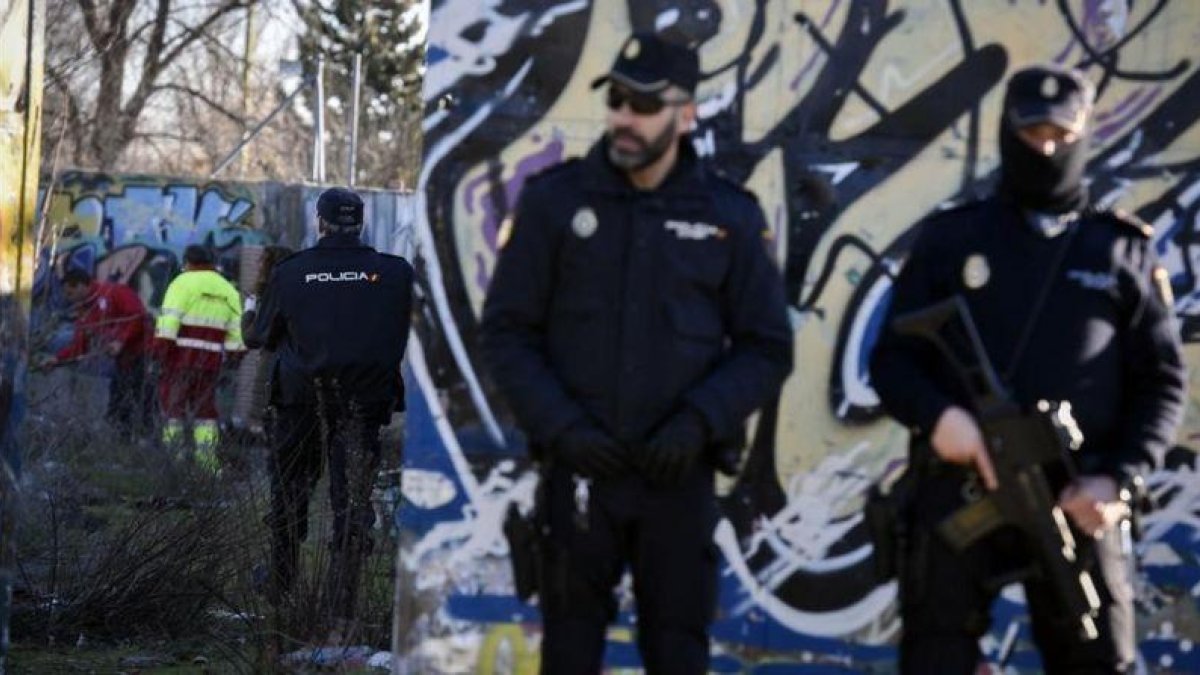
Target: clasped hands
(665, 459)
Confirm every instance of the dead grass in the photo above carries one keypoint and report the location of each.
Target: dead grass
(123, 549)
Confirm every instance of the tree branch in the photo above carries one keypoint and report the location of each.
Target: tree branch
(166, 135)
(92, 22)
(201, 96)
(191, 34)
(118, 16)
(154, 47)
(153, 67)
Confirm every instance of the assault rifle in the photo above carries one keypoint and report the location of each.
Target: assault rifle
(1022, 445)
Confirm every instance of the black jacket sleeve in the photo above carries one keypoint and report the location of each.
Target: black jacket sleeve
(513, 328)
(754, 308)
(266, 327)
(1155, 376)
(901, 367)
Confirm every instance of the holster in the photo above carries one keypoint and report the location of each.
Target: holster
(524, 535)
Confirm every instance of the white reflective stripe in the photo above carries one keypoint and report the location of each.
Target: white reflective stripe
(203, 321)
(195, 343)
(166, 327)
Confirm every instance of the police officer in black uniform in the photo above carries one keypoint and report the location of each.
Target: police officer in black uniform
(634, 322)
(1072, 305)
(337, 317)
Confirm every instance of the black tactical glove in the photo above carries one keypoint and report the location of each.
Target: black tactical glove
(674, 449)
(587, 450)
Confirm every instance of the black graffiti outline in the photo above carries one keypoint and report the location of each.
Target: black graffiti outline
(805, 119)
(1108, 58)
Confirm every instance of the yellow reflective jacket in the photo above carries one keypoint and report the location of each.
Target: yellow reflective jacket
(201, 320)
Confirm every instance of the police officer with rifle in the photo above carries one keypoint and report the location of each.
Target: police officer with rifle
(1032, 352)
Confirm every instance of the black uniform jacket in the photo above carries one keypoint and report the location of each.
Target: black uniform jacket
(339, 310)
(625, 305)
(1105, 341)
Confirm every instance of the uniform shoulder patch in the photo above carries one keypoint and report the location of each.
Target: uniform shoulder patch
(1130, 222)
(740, 201)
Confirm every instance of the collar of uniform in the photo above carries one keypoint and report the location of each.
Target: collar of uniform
(686, 177)
(1050, 225)
(340, 240)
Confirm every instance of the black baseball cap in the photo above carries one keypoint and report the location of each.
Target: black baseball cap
(341, 209)
(196, 254)
(1054, 94)
(649, 64)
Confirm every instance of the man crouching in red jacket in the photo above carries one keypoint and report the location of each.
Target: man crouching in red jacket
(111, 320)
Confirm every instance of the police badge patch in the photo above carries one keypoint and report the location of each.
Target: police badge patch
(584, 223)
(976, 271)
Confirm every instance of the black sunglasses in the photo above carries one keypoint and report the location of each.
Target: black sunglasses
(640, 104)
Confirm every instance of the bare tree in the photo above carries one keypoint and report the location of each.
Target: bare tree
(110, 64)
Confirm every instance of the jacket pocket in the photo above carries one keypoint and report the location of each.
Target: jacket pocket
(696, 322)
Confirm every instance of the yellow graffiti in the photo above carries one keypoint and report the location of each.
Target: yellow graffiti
(156, 210)
(506, 649)
(21, 54)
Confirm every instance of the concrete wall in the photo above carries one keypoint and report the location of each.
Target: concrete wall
(133, 228)
(852, 120)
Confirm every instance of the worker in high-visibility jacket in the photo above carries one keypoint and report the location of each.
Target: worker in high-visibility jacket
(198, 330)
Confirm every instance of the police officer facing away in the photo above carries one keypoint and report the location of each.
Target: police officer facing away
(634, 322)
(337, 316)
(1103, 339)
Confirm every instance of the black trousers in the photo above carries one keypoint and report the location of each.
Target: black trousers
(129, 399)
(946, 596)
(344, 435)
(664, 536)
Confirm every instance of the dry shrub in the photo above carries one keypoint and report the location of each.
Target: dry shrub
(126, 543)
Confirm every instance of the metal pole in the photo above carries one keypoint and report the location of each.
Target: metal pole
(354, 118)
(247, 63)
(318, 167)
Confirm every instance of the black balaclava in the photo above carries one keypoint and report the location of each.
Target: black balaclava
(1034, 181)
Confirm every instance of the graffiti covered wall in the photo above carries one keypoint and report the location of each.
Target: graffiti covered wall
(852, 120)
(134, 228)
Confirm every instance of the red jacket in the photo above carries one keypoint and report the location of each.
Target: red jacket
(112, 312)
